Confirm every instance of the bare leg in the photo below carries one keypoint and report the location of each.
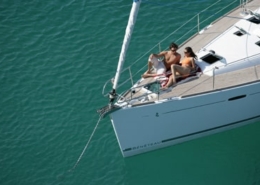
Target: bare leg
(147, 75)
(150, 65)
(173, 66)
(172, 78)
(169, 83)
(176, 69)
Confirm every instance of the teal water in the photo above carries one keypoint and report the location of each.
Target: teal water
(54, 59)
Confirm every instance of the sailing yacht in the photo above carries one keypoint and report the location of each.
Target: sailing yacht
(223, 94)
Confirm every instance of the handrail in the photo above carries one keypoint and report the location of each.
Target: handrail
(186, 90)
(132, 75)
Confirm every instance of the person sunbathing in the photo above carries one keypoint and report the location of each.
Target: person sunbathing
(161, 66)
(186, 67)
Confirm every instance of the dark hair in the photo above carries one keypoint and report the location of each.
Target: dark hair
(173, 45)
(190, 51)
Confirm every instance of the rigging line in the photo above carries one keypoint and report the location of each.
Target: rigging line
(172, 5)
(180, 3)
(175, 3)
(82, 153)
(61, 177)
(203, 11)
(167, 5)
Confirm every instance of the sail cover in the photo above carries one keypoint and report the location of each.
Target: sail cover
(128, 33)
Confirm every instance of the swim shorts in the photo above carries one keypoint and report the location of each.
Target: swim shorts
(158, 65)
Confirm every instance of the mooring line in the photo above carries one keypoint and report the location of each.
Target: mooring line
(61, 177)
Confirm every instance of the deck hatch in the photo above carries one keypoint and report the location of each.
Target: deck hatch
(239, 33)
(210, 58)
(254, 20)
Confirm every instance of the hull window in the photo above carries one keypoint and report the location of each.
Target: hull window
(236, 97)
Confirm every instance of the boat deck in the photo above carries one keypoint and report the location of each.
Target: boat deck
(203, 84)
(220, 25)
(208, 83)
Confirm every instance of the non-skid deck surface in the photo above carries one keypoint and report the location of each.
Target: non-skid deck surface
(206, 83)
(217, 28)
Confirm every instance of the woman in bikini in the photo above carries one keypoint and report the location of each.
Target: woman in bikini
(187, 65)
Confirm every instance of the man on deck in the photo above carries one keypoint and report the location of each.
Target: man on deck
(161, 66)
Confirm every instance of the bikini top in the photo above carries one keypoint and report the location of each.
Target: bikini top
(186, 62)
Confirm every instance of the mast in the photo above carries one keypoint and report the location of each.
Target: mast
(128, 34)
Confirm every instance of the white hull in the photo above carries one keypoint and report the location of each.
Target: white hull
(225, 96)
(149, 127)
